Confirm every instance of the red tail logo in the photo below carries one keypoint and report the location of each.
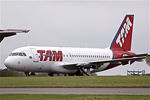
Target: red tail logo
(123, 38)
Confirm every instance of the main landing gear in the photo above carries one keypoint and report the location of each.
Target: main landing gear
(83, 71)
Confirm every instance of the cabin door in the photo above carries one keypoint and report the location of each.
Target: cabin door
(35, 56)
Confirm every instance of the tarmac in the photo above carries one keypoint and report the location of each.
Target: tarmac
(121, 91)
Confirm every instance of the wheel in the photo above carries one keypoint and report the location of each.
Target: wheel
(27, 73)
(50, 74)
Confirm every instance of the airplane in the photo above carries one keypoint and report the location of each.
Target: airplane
(77, 61)
(10, 32)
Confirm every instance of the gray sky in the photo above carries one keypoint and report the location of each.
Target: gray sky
(75, 23)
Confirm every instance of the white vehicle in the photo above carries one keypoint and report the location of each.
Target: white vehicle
(77, 60)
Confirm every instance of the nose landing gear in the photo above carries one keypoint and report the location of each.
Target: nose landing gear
(29, 73)
(50, 74)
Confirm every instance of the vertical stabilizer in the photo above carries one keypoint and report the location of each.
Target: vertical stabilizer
(122, 40)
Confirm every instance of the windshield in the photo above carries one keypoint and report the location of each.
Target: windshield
(18, 54)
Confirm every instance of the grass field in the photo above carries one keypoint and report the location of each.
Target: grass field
(76, 81)
(71, 97)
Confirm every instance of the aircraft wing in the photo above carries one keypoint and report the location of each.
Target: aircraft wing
(120, 61)
(10, 32)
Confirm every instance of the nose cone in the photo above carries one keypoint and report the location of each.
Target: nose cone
(8, 62)
(13, 63)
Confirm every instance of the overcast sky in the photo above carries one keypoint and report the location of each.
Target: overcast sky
(75, 23)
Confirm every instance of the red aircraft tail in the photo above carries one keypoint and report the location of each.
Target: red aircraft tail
(123, 38)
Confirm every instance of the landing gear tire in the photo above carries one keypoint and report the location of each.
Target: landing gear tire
(32, 73)
(50, 74)
(79, 73)
(87, 73)
(27, 73)
(70, 74)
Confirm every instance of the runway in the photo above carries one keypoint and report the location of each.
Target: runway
(133, 91)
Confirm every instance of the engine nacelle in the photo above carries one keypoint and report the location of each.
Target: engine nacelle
(148, 59)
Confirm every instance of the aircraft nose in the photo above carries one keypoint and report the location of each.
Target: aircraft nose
(8, 62)
(13, 63)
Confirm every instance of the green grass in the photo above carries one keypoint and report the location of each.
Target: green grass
(76, 81)
(71, 97)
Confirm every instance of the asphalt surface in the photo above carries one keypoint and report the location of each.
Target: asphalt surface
(133, 91)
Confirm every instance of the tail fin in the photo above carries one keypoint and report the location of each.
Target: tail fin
(122, 40)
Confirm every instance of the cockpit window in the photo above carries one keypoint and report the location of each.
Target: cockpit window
(24, 54)
(18, 54)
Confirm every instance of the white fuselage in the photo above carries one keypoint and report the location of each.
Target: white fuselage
(52, 59)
